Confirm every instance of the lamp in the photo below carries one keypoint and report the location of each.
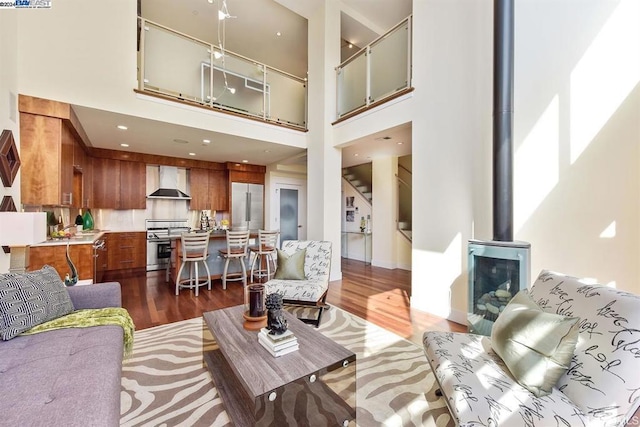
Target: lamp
(19, 230)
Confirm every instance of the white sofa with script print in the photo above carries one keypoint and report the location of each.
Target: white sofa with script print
(601, 386)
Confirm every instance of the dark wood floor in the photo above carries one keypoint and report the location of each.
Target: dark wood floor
(379, 295)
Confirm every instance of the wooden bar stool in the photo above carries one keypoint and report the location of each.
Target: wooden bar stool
(265, 249)
(194, 250)
(237, 241)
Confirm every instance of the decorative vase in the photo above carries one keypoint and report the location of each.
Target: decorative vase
(255, 317)
(87, 220)
(71, 278)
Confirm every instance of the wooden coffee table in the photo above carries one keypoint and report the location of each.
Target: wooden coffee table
(315, 385)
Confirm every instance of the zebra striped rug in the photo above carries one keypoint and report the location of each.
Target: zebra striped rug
(165, 383)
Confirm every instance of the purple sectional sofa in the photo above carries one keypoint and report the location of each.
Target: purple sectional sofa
(65, 377)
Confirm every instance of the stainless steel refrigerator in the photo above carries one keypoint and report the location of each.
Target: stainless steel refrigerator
(247, 205)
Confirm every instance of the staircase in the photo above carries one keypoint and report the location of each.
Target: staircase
(360, 178)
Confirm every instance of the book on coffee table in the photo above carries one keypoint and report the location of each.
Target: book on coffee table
(280, 349)
(285, 336)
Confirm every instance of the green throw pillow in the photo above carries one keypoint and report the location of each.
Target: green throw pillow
(536, 346)
(291, 267)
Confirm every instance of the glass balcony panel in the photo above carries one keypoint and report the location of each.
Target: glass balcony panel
(172, 63)
(187, 69)
(389, 62)
(352, 85)
(286, 99)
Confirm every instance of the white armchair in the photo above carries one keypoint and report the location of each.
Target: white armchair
(312, 290)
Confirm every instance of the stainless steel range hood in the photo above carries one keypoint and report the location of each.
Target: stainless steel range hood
(168, 188)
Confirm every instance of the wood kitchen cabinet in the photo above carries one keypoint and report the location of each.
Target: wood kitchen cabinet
(119, 184)
(46, 154)
(133, 180)
(82, 177)
(219, 190)
(209, 189)
(199, 189)
(126, 250)
(55, 256)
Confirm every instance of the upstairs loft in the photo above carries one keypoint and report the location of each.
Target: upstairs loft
(178, 67)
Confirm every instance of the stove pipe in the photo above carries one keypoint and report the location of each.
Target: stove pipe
(503, 40)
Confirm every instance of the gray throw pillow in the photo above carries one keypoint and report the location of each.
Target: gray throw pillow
(291, 267)
(536, 346)
(28, 299)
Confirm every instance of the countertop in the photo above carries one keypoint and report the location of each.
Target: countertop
(83, 238)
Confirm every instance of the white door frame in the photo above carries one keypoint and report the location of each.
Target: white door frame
(292, 184)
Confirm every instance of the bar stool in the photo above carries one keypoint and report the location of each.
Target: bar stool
(266, 248)
(194, 250)
(237, 241)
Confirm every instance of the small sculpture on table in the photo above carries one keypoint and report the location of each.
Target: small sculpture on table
(71, 279)
(276, 323)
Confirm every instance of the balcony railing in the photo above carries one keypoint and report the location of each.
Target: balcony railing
(377, 72)
(182, 67)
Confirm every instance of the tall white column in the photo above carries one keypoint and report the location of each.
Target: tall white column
(384, 208)
(325, 161)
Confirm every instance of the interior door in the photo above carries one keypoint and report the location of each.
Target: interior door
(292, 212)
(288, 214)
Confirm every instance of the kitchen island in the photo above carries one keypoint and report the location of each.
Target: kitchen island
(217, 241)
(53, 252)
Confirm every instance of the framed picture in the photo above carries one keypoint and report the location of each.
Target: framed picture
(349, 201)
(350, 216)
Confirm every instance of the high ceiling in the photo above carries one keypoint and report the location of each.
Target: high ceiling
(251, 32)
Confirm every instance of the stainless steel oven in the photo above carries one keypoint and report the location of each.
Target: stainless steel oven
(159, 232)
(156, 254)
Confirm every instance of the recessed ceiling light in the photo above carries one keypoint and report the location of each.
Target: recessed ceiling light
(122, 127)
(192, 154)
(400, 143)
(124, 145)
(278, 34)
(210, 1)
(245, 161)
(206, 141)
(350, 46)
(356, 155)
(267, 151)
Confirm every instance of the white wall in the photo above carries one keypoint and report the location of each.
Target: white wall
(403, 251)
(385, 207)
(452, 104)
(8, 102)
(577, 137)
